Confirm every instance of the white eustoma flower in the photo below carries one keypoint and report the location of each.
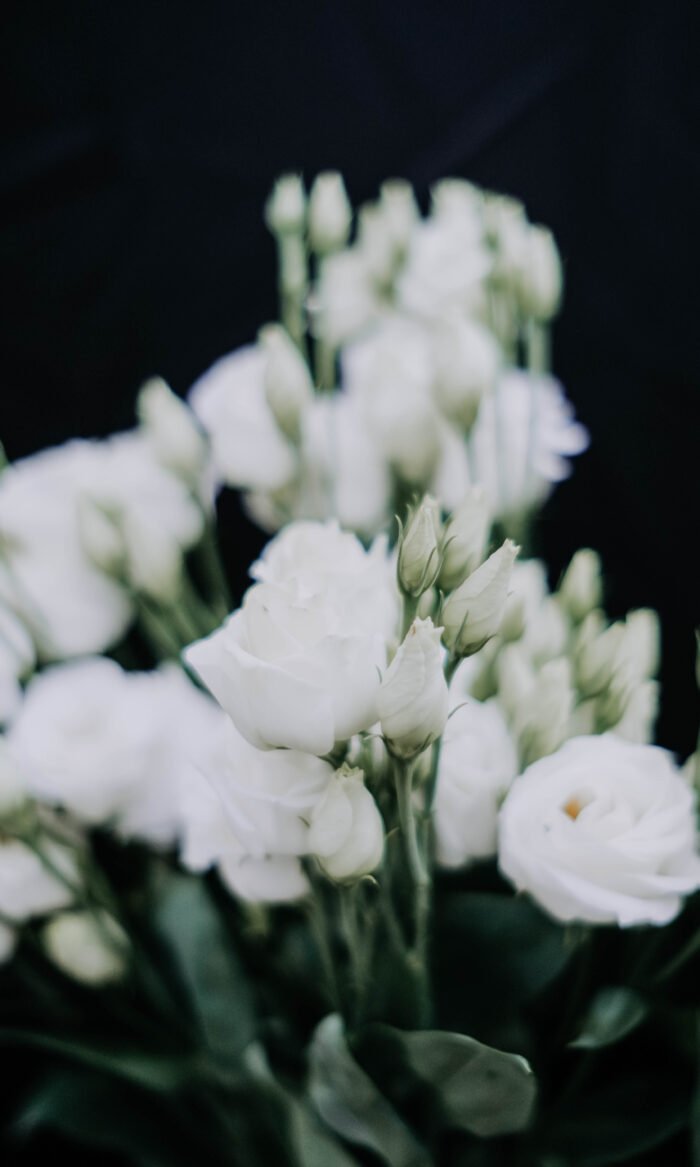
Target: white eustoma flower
(603, 832)
(523, 435)
(109, 746)
(247, 446)
(30, 886)
(446, 264)
(172, 430)
(478, 762)
(346, 300)
(90, 947)
(347, 832)
(468, 361)
(413, 699)
(16, 659)
(472, 614)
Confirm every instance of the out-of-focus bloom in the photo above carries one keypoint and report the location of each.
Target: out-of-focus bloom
(539, 280)
(413, 699)
(90, 947)
(346, 300)
(288, 384)
(464, 540)
(170, 426)
(467, 362)
(285, 210)
(16, 659)
(30, 886)
(604, 832)
(477, 765)
(347, 832)
(330, 213)
(581, 589)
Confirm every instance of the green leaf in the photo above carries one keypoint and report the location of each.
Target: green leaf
(159, 1073)
(209, 967)
(351, 1105)
(97, 1112)
(614, 1013)
(480, 1089)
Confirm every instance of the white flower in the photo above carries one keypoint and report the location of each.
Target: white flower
(30, 886)
(330, 213)
(472, 614)
(446, 264)
(603, 831)
(419, 548)
(413, 699)
(521, 439)
(276, 879)
(16, 659)
(91, 947)
(581, 590)
(540, 276)
(347, 832)
(297, 665)
(398, 204)
(288, 384)
(248, 448)
(477, 765)
(172, 430)
(109, 746)
(467, 363)
(345, 300)
(532, 616)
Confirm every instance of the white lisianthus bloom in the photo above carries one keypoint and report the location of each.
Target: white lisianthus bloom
(30, 886)
(478, 762)
(172, 430)
(347, 832)
(346, 299)
(464, 540)
(603, 832)
(248, 811)
(472, 614)
(446, 265)
(467, 360)
(16, 660)
(90, 947)
(248, 448)
(413, 699)
(70, 606)
(109, 746)
(524, 433)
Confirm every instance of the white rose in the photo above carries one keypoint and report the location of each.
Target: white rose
(30, 887)
(347, 832)
(89, 947)
(413, 699)
(477, 765)
(603, 831)
(248, 448)
(522, 437)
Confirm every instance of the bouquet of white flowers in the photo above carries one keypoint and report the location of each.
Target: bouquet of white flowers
(378, 866)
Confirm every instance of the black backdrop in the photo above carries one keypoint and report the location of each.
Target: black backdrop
(140, 139)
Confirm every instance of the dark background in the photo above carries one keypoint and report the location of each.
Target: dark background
(139, 140)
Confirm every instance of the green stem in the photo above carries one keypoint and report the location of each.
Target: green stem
(213, 570)
(680, 959)
(420, 877)
(408, 614)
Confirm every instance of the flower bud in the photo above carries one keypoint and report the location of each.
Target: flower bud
(473, 613)
(330, 213)
(641, 647)
(346, 832)
(467, 362)
(376, 244)
(465, 539)
(288, 384)
(101, 536)
(419, 549)
(516, 681)
(597, 655)
(153, 559)
(170, 425)
(285, 209)
(398, 203)
(91, 947)
(540, 283)
(544, 724)
(581, 589)
(413, 698)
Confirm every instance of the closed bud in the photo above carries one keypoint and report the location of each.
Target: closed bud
(516, 681)
(101, 536)
(465, 540)
(540, 283)
(641, 648)
(330, 213)
(413, 698)
(546, 722)
(398, 203)
(473, 613)
(419, 549)
(597, 657)
(285, 210)
(376, 244)
(346, 832)
(91, 947)
(581, 588)
(288, 384)
(172, 429)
